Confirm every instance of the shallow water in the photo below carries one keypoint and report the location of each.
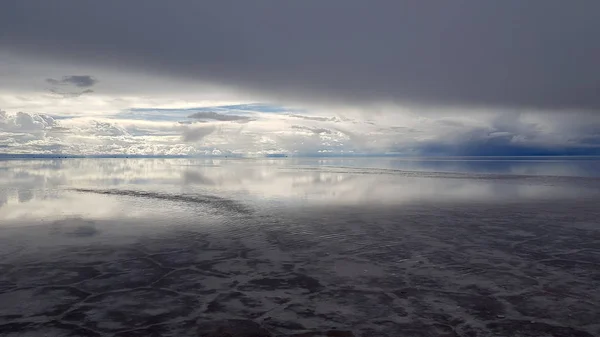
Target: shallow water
(363, 247)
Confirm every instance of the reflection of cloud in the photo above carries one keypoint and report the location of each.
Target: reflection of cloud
(327, 181)
(75, 227)
(3, 197)
(25, 195)
(22, 181)
(193, 177)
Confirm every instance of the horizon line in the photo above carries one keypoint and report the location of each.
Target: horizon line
(271, 156)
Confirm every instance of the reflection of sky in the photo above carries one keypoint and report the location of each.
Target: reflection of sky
(553, 166)
(44, 189)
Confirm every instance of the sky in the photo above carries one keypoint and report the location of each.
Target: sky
(341, 77)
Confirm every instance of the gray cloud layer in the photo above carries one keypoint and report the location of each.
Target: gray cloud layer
(82, 81)
(196, 134)
(217, 116)
(79, 81)
(70, 94)
(512, 53)
(316, 118)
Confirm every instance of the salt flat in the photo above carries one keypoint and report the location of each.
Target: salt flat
(299, 247)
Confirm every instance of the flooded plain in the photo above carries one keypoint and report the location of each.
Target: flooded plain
(300, 247)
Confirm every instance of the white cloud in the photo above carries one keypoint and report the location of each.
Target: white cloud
(24, 122)
(142, 120)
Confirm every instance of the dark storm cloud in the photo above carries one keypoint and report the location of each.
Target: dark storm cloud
(537, 53)
(81, 81)
(217, 116)
(510, 134)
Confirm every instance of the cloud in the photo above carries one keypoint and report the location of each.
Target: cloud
(313, 130)
(81, 81)
(24, 122)
(195, 134)
(70, 94)
(217, 116)
(508, 134)
(536, 54)
(450, 133)
(23, 132)
(316, 118)
(107, 129)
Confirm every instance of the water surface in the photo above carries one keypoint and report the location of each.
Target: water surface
(363, 247)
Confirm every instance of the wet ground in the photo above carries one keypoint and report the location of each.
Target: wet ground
(96, 256)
